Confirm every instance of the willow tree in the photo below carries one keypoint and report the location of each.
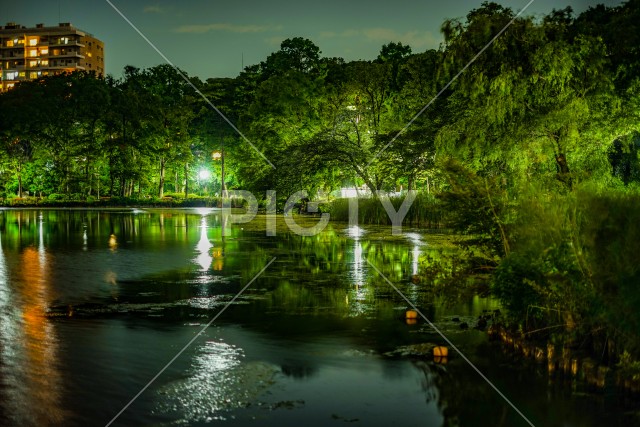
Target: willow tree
(536, 103)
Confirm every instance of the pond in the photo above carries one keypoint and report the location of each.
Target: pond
(95, 303)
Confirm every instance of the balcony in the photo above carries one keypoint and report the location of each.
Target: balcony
(61, 67)
(66, 55)
(56, 44)
(11, 55)
(37, 66)
(14, 68)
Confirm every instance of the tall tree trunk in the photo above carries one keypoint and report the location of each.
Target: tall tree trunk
(20, 181)
(363, 174)
(87, 177)
(498, 221)
(161, 184)
(223, 186)
(564, 174)
(562, 166)
(66, 179)
(186, 181)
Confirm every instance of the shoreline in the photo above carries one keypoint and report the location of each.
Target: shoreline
(564, 362)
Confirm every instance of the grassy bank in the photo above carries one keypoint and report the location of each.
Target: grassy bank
(425, 211)
(173, 200)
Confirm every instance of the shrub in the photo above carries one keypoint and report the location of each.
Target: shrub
(56, 197)
(519, 284)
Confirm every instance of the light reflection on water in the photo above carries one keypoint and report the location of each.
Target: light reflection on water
(360, 290)
(203, 247)
(219, 380)
(211, 385)
(29, 345)
(320, 312)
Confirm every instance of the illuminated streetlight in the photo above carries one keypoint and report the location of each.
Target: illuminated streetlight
(204, 174)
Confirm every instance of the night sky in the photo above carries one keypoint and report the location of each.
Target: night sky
(209, 38)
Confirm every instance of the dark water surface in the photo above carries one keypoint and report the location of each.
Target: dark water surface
(301, 347)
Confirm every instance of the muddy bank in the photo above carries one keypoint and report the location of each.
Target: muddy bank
(566, 363)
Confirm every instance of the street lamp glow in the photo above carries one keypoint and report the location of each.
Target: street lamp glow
(216, 155)
(204, 174)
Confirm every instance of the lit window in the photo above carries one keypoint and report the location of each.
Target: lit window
(33, 75)
(10, 85)
(12, 75)
(21, 41)
(33, 63)
(44, 62)
(64, 40)
(44, 51)
(33, 42)
(21, 74)
(10, 43)
(33, 52)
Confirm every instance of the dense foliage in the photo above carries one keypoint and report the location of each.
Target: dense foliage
(532, 151)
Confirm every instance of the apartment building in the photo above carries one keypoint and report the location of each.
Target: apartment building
(31, 53)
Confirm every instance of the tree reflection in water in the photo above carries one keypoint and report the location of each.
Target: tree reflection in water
(319, 317)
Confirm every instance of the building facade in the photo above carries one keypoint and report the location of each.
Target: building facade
(32, 53)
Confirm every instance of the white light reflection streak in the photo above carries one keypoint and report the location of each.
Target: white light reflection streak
(41, 253)
(357, 271)
(414, 261)
(8, 331)
(7, 328)
(203, 247)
